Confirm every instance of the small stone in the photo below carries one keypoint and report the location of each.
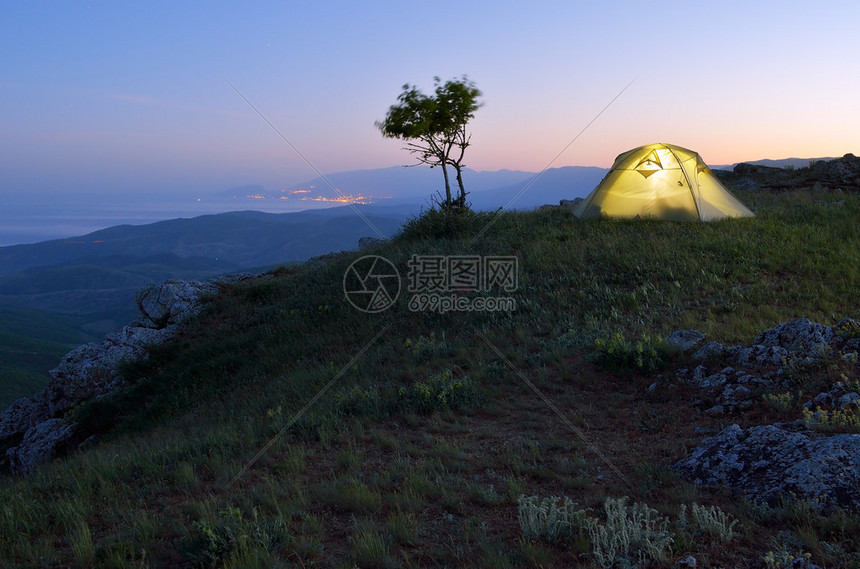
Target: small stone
(699, 375)
(367, 242)
(709, 351)
(742, 392)
(823, 398)
(685, 340)
(688, 562)
(573, 204)
(848, 400)
(716, 411)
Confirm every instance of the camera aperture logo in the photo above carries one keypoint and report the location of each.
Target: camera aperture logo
(371, 284)
(441, 283)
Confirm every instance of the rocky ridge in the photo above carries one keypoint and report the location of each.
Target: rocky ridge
(840, 174)
(35, 430)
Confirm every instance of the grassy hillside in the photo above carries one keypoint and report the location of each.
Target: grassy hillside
(31, 343)
(97, 276)
(288, 429)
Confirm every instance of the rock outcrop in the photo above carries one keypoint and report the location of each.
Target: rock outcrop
(769, 462)
(33, 431)
(838, 175)
(368, 242)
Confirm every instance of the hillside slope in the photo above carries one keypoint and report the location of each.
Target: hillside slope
(95, 277)
(287, 428)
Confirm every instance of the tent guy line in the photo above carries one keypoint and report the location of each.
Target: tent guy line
(551, 162)
(309, 163)
(307, 406)
(555, 409)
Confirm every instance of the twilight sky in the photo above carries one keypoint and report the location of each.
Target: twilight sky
(126, 97)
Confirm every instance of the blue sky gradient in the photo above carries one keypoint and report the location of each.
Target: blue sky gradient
(105, 97)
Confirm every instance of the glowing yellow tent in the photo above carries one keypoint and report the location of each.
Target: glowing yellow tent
(661, 181)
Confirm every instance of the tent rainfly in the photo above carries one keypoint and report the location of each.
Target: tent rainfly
(661, 181)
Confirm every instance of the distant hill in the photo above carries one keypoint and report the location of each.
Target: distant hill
(781, 163)
(398, 184)
(418, 186)
(236, 240)
(57, 294)
(553, 185)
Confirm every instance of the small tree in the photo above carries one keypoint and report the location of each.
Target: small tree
(435, 129)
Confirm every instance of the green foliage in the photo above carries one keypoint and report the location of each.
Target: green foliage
(779, 402)
(231, 535)
(402, 526)
(440, 223)
(356, 400)
(440, 391)
(845, 420)
(628, 536)
(370, 550)
(781, 558)
(848, 328)
(647, 354)
(350, 494)
(435, 128)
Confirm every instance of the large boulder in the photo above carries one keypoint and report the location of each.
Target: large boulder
(22, 414)
(799, 334)
(90, 370)
(171, 302)
(41, 443)
(768, 462)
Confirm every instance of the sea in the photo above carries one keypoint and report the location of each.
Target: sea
(24, 221)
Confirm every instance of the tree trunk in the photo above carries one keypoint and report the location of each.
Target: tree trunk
(448, 202)
(461, 199)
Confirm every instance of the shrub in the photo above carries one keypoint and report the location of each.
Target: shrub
(837, 421)
(551, 518)
(231, 534)
(438, 224)
(438, 392)
(647, 354)
(712, 520)
(779, 402)
(848, 329)
(627, 531)
(355, 400)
